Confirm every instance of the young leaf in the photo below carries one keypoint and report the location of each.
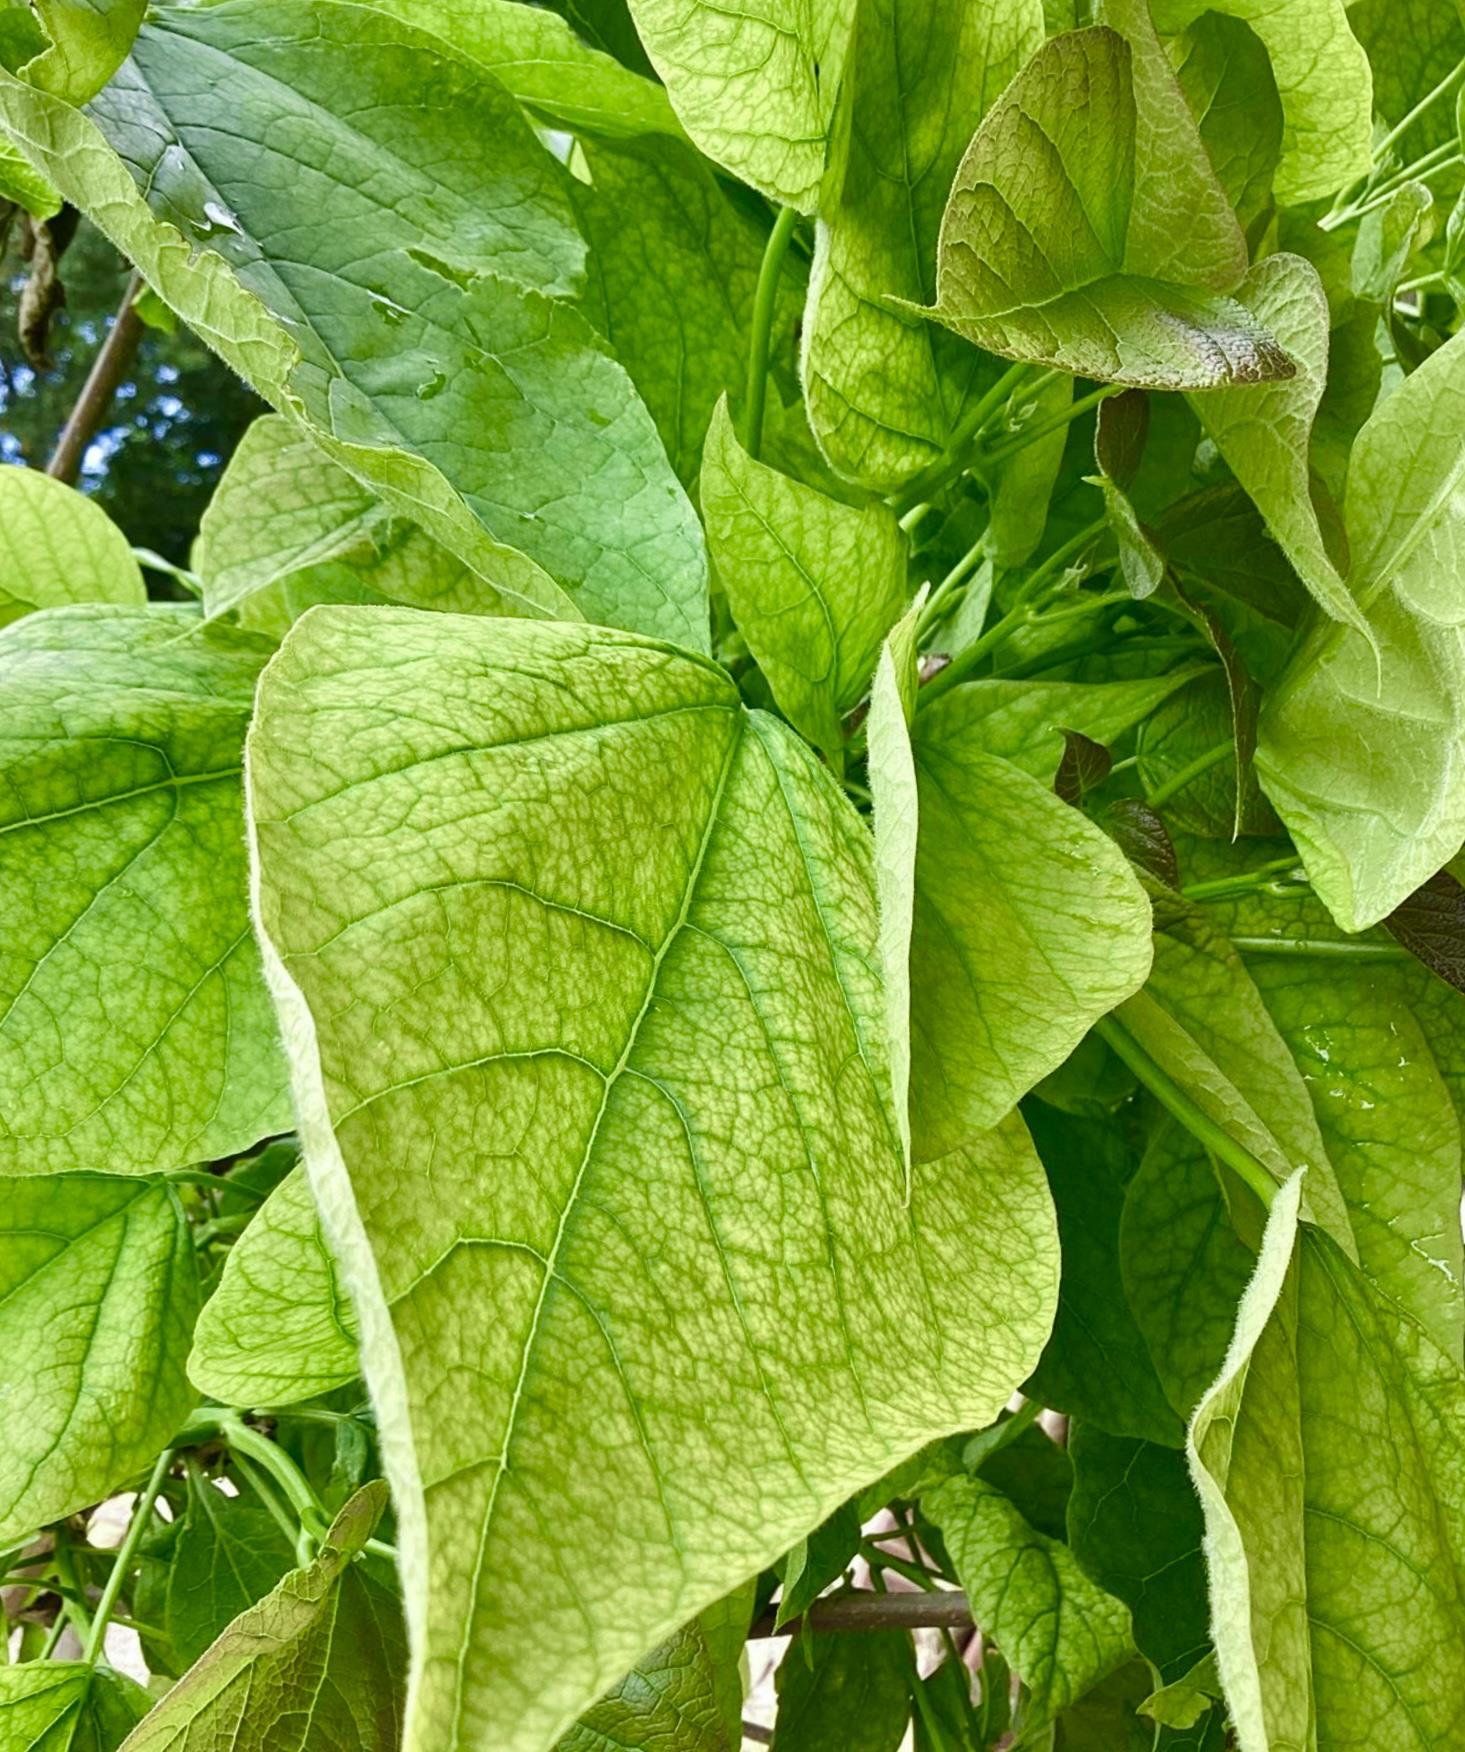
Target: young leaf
(814, 585)
(1004, 979)
(1330, 1462)
(135, 1031)
(68, 1706)
(1060, 1632)
(98, 1292)
(1086, 230)
(846, 1694)
(1361, 755)
(583, 1087)
(278, 1328)
(209, 1564)
(283, 511)
(1263, 429)
(884, 393)
(1323, 79)
(755, 88)
(316, 1664)
(58, 547)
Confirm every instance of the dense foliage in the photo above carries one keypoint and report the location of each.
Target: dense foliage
(776, 952)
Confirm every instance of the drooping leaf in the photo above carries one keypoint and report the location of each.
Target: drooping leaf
(1330, 1462)
(57, 547)
(1372, 827)
(98, 1291)
(1226, 75)
(67, 1706)
(1086, 230)
(1085, 763)
(670, 281)
(278, 1328)
(1323, 79)
(283, 512)
(1263, 429)
(545, 64)
(814, 585)
(1060, 1632)
(846, 1694)
(488, 413)
(1004, 980)
(883, 391)
(610, 1084)
(754, 86)
(1020, 487)
(135, 1030)
(204, 1568)
(315, 1666)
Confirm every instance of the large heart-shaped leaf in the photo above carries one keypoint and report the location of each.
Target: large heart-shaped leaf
(577, 960)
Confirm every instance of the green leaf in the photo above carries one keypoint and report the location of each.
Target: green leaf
(1201, 1018)
(88, 42)
(672, 1700)
(1136, 1527)
(1324, 82)
(98, 1292)
(283, 511)
(58, 547)
(135, 1031)
(1086, 230)
(1226, 75)
(845, 1693)
(1029, 925)
(25, 186)
(1412, 46)
(1330, 1462)
(545, 64)
(633, 1044)
(1096, 1364)
(884, 393)
(1263, 429)
(820, 1558)
(1183, 1265)
(67, 1706)
(1060, 1632)
(671, 277)
(490, 414)
(1183, 1703)
(814, 585)
(316, 1664)
(755, 88)
(278, 1329)
(209, 1564)
(1361, 756)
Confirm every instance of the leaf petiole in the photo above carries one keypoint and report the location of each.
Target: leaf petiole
(122, 1563)
(765, 300)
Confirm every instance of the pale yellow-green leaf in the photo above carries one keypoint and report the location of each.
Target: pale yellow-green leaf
(56, 547)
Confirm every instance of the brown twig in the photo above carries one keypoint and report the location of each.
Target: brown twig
(108, 369)
(945, 1609)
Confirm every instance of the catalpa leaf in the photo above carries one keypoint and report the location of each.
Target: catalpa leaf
(1060, 1632)
(283, 512)
(98, 1290)
(608, 1100)
(135, 1030)
(1360, 749)
(68, 1706)
(1086, 230)
(315, 1666)
(675, 1699)
(278, 1328)
(1324, 82)
(58, 547)
(87, 42)
(754, 86)
(1005, 981)
(884, 392)
(814, 585)
(1225, 73)
(1330, 1462)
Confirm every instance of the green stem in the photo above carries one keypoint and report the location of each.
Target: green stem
(764, 301)
(981, 1447)
(1400, 128)
(1178, 1103)
(1190, 772)
(136, 1527)
(953, 459)
(1242, 884)
(292, 1531)
(1441, 158)
(1321, 946)
(270, 1457)
(1074, 411)
(57, 1630)
(215, 1182)
(76, 1610)
(220, 1228)
(914, 1573)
